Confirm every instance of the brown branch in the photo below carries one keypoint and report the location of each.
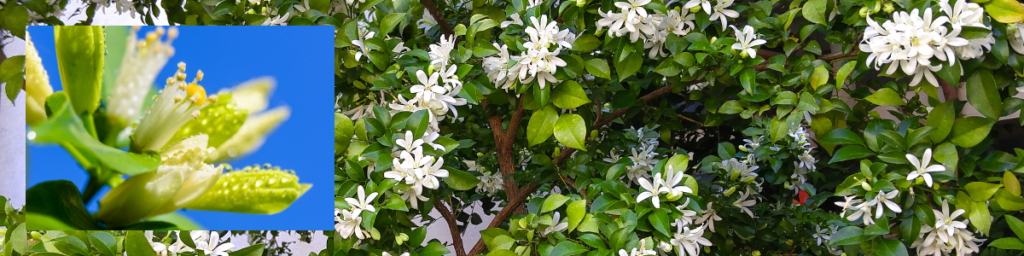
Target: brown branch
(949, 91)
(513, 203)
(839, 55)
(460, 250)
(445, 28)
(691, 120)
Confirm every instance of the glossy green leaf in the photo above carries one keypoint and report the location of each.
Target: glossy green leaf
(576, 210)
(847, 236)
(983, 93)
(850, 152)
(842, 136)
(553, 202)
(390, 21)
(137, 244)
(1008, 243)
(252, 250)
(844, 72)
(886, 97)
(1016, 225)
(569, 95)
(970, 131)
(461, 180)
(941, 117)
(571, 131)
(890, 247)
(814, 11)
(104, 242)
(599, 68)
(980, 217)
(1005, 11)
(586, 43)
(1011, 183)
(541, 125)
(981, 191)
(56, 205)
(820, 75)
(567, 248)
(629, 66)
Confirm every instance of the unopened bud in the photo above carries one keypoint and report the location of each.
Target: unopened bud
(730, 191)
(888, 8)
(865, 185)
(695, 9)
(479, 154)
(375, 234)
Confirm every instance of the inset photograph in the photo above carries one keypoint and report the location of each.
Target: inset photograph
(179, 128)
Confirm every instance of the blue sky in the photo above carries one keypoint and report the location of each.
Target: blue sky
(299, 58)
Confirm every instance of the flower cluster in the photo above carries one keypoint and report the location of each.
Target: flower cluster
(669, 185)
(490, 182)
(946, 235)
(205, 241)
(909, 41)
(720, 11)
(654, 28)
(437, 98)
(539, 60)
(418, 171)
(347, 221)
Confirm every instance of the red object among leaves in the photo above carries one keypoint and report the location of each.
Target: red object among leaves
(802, 195)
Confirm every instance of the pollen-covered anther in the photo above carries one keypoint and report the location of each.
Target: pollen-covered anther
(181, 66)
(180, 76)
(195, 114)
(177, 99)
(212, 99)
(172, 33)
(160, 31)
(199, 76)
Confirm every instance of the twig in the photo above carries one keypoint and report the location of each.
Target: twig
(950, 92)
(691, 120)
(513, 203)
(460, 250)
(445, 28)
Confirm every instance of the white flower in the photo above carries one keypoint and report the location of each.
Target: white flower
(440, 53)
(672, 178)
(428, 89)
(514, 19)
(490, 183)
(427, 22)
(633, 8)
(710, 216)
(921, 168)
(969, 15)
(746, 40)
(744, 205)
(143, 59)
(362, 202)
(638, 251)
(414, 195)
(721, 13)
(278, 21)
(1014, 36)
(428, 175)
(822, 235)
(884, 200)
(211, 248)
(348, 224)
(807, 161)
(556, 226)
(860, 209)
(497, 67)
(946, 223)
(178, 103)
(704, 4)
(688, 241)
(687, 217)
(158, 247)
(652, 190)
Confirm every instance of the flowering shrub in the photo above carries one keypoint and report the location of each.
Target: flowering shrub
(198, 242)
(12, 229)
(680, 127)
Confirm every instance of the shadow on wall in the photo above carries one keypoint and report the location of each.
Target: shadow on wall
(12, 149)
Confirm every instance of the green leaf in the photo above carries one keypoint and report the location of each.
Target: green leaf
(104, 242)
(941, 118)
(66, 129)
(343, 131)
(553, 202)
(748, 78)
(886, 97)
(820, 75)
(1008, 243)
(890, 247)
(779, 129)
(598, 68)
(730, 107)
(541, 126)
(842, 136)
(253, 250)
(659, 219)
(496, 239)
(18, 238)
(389, 22)
(983, 94)
(417, 122)
(847, 236)
(850, 152)
(72, 245)
(1009, 201)
(980, 217)
(542, 95)
(946, 154)
(434, 248)
(667, 68)
(461, 180)
(1011, 184)
(57, 205)
(586, 43)
(12, 67)
(15, 19)
(571, 131)
(12, 89)
(1005, 11)
(981, 191)
(137, 244)
(1016, 225)
(502, 252)
(569, 95)
(628, 67)
(814, 11)
(567, 248)
(970, 131)
(576, 210)
(844, 72)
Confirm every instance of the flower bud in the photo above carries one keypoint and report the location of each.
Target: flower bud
(730, 191)
(37, 84)
(581, 3)
(757, 253)
(80, 58)
(748, 179)
(254, 190)
(789, 242)
(37, 236)
(888, 8)
(479, 154)
(695, 9)
(863, 11)
(865, 185)
(181, 178)
(374, 234)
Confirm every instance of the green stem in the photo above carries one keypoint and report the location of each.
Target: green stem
(91, 188)
(90, 125)
(78, 156)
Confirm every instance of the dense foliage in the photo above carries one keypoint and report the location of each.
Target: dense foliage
(644, 127)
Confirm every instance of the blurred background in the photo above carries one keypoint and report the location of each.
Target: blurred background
(300, 59)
